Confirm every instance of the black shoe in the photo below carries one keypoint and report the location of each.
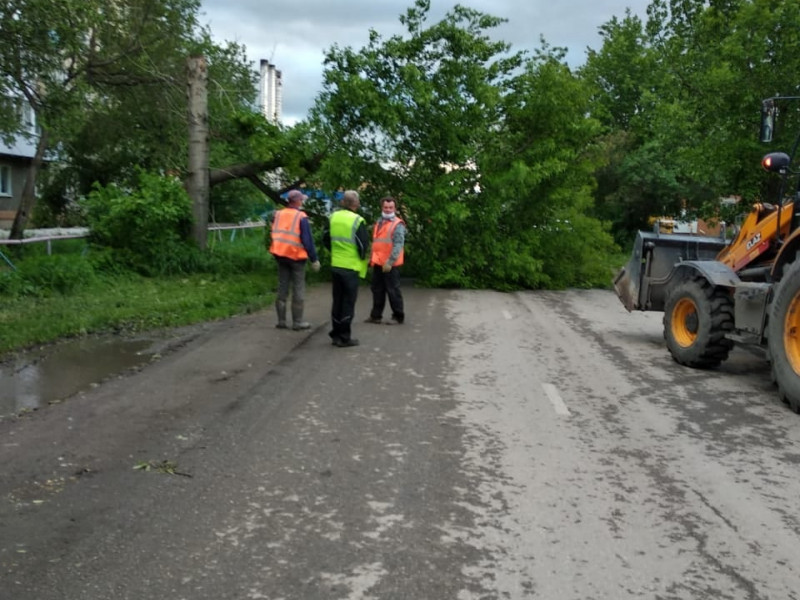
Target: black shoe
(398, 320)
(345, 343)
(373, 320)
(281, 325)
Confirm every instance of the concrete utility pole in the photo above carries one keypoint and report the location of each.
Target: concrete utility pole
(197, 181)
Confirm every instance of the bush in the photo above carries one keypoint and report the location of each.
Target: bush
(246, 254)
(47, 275)
(11, 284)
(148, 227)
(68, 214)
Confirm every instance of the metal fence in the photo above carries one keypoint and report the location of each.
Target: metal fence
(49, 239)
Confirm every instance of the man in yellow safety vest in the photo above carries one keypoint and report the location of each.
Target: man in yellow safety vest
(347, 238)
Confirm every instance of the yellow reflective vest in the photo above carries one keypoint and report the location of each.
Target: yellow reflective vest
(344, 247)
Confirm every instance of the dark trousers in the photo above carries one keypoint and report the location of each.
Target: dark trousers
(383, 285)
(345, 293)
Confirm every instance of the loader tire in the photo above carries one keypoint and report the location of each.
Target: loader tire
(697, 316)
(783, 336)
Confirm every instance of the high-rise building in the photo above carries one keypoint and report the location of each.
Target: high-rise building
(270, 92)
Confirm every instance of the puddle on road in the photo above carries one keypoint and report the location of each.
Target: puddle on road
(34, 379)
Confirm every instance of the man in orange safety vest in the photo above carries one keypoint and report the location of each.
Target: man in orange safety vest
(292, 246)
(388, 241)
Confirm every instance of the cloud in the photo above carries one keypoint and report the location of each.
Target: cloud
(294, 35)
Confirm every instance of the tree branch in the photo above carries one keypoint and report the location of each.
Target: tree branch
(251, 172)
(247, 170)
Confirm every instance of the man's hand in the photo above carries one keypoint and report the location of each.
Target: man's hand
(387, 267)
(315, 266)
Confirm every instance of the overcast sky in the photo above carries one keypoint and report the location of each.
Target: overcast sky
(293, 34)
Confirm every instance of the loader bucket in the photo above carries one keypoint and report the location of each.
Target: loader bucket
(628, 280)
(651, 263)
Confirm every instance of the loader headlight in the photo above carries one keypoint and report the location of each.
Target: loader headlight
(775, 162)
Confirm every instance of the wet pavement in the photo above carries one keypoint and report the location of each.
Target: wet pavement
(35, 379)
(497, 445)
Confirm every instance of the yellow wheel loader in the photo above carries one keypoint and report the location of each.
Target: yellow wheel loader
(715, 293)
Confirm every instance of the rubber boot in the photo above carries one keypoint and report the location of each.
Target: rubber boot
(297, 317)
(280, 308)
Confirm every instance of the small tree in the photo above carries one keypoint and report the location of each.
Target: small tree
(148, 228)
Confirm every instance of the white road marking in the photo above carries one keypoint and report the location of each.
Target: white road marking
(555, 399)
(507, 315)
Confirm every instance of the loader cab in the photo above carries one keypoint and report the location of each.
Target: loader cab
(786, 240)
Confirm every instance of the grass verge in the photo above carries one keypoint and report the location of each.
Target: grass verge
(129, 304)
(52, 297)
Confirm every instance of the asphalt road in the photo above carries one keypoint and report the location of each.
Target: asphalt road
(530, 445)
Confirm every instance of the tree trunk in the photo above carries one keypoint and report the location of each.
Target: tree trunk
(197, 181)
(28, 200)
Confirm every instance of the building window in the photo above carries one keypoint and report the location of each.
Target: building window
(28, 118)
(5, 180)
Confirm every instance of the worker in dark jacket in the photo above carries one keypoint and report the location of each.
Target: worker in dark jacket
(347, 238)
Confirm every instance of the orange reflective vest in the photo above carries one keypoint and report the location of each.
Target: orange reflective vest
(286, 240)
(382, 234)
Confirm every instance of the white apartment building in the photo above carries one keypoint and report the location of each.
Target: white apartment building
(270, 92)
(14, 161)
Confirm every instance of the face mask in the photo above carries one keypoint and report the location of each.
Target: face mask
(387, 215)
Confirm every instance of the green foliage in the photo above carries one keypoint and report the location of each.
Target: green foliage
(635, 184)
(236, 201)
(579, 252)
(246, 256)
(58, 212)
(145, 125)
(47, 275)
(680, 100)
(619, 73)
(415, 100)
(107, 82)
(147, 227)
(482, 155)
(510, 170)
(88, 46)
(12, 284)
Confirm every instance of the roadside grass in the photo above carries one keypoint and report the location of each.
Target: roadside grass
(243, 281)
(129, 305)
